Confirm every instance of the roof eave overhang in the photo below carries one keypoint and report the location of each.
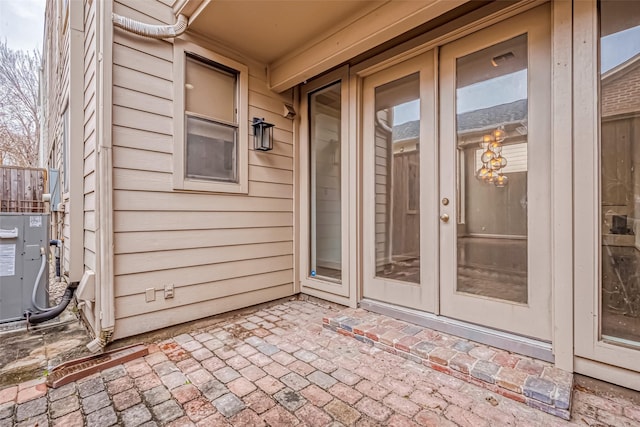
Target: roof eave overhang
(389, 21)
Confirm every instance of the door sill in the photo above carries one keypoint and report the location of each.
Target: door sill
(540, 350)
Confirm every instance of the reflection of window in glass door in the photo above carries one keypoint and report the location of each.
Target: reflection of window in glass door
(492, 121)
(620, 181)
(397, 165)
(325, 190)
(398, 123)
(607, 190)
(495, 228)
(324, 186)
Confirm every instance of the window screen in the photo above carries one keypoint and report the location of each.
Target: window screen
(211, 121)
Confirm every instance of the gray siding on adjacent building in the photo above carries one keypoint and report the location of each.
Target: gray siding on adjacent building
(55, 56)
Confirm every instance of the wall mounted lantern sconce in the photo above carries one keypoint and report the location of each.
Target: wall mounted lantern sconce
(262, 134)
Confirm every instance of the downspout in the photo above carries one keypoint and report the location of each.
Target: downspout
(105, 301)
(382, 125)
(151, 31)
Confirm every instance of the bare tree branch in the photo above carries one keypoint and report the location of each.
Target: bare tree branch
(19, 121)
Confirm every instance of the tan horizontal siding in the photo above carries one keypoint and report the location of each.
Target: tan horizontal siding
(66, 236)
(89, 67)
(147, 11)
(148, 46)
(156, 201)
(145, 322)
(150, 241)
(130, 158)
(142, 140)
(166, 260)
(282, 149)
(89, 134)
(89, 128)
(90, 185)
(274, 117)
(270, 160)
(90, 162)
(265, 174)
(269, 189)
(90, 220)
(89, 92)
(126, 305)
(143, 120)
(220, 251)
(89, 239)
(167, 220)
(140, 61)
(89, 202)
(142, 82)
(124, 97)
(184, 277)
(89, 259)
(131, 179)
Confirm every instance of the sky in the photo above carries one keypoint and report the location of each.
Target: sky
(615, 49)
(22, 23)
(618, 47)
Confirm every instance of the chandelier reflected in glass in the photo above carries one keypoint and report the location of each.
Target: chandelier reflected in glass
(492, 160)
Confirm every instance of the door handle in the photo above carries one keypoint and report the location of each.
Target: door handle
(444, 218)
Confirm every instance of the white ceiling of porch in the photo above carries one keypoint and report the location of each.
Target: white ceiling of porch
(268, 30)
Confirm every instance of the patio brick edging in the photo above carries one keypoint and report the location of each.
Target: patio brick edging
(536, 383)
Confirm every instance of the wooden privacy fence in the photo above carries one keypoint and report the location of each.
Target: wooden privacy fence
(21, 189)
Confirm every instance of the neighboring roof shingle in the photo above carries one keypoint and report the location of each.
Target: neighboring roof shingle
(477, 119)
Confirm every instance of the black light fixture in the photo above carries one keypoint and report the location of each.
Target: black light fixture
(262, 135)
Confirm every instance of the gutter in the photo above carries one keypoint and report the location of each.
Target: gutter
(104, 320)
(105, 287)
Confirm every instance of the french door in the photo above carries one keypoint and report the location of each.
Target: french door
(495, 233)
(400, 239)
(456, 188)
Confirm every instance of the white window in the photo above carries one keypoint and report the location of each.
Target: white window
(211, 132)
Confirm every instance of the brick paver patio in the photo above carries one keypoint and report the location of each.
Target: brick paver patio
(537, 383)
(276, 365)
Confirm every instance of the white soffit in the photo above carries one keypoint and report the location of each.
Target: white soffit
(300, 39)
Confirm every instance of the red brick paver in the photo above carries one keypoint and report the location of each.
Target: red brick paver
(278, 366)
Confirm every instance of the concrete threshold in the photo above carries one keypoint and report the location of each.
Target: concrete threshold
(534, 382)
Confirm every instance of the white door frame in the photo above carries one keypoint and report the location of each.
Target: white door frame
(532, 319)
(422, 296)
(341, 291)
(589, 346)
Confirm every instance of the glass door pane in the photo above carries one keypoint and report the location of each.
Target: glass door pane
(495, 157)
(492, 121)
(620, 184)
(397, 179)
(399, 184)
(325, 183)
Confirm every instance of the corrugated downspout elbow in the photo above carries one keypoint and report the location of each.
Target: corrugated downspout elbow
(149, 30)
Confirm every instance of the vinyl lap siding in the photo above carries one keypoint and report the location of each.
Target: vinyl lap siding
(89, 134)
(56, 55)
(64, 98)
(221, 252)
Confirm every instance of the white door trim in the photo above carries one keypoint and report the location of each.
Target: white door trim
(334, 291)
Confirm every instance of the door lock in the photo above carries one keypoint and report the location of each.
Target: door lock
(445, 201)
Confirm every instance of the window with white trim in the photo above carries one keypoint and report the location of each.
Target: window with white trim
(211, 106)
